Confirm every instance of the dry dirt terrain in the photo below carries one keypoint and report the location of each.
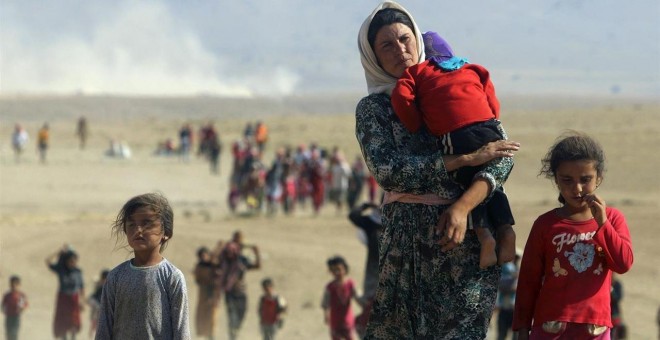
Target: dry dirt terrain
(76, 195)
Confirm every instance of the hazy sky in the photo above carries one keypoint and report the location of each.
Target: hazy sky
(288, 47)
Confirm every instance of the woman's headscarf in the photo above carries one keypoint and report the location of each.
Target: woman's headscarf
(379, 81)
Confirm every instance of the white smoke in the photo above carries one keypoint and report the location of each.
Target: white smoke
(136, 49)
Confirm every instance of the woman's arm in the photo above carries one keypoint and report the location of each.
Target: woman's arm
(496, 170)
(50, 260)
(400, 170)
(394, 169)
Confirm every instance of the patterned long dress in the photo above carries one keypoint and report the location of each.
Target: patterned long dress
(422, 292)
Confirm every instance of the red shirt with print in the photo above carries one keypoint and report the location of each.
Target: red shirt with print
(566, 269)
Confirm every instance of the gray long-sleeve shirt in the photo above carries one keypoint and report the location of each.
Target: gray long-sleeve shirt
(144, 303)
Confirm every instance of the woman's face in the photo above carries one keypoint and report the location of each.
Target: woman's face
(395, 47)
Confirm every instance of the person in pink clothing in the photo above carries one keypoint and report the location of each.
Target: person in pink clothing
(566, 270)
(456, 102)
(336, 304)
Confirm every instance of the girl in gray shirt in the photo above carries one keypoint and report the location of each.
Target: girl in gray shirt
(145, 297)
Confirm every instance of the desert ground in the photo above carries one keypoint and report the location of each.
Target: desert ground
(75, 196)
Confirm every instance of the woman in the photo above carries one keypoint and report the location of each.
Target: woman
(430, 284)
(70, 295)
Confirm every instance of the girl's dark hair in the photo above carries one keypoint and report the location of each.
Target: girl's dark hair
(267, 282)
(337, 261)
(572, 146)
(386, 17)
(156, 202)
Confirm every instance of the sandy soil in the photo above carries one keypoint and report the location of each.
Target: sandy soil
(75, 196)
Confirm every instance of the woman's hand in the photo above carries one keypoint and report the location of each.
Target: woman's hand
(452, 226)
(492, 150)
(597, 207)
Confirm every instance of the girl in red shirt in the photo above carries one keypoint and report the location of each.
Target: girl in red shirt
(336, 304)
(566, 270)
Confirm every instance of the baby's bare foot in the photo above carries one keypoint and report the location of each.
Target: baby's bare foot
(506, 241)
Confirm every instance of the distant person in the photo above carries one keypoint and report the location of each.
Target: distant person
(19, 139)
(71, 292)
(215, 149)
(356, 182)
(339, 173)
(261, 136)
(506, 298)
(367, 217)
(82, 130)
(272, 307)
(456, 102)
(14, 302)
(185, 142)
(118, 149)
(94, 302)
(317, 171)
(372, 187)
(146, 296)
(619, 329)
(274, 182)
(43, 138)
(233, 266)
(336, 303)
(566, 270)
(289, 179)
(206, 276)
(249, 132)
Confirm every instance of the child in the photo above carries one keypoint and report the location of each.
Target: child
(206, 278)
(456, 101)
(566, 270)
(337, 312)
(13, 304)
(271, 309)
(42, 142)
(619, 328)
(145, 297)
(94, 302)
(70, 294)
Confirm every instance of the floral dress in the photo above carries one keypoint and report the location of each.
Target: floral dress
(422, 292)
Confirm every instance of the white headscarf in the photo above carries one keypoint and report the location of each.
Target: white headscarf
(379, 81)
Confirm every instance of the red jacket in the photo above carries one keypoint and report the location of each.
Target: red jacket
(566, 270)
(14, 302)
(444, 100)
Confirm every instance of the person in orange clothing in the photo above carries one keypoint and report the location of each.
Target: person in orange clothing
(43, 137)
(261, 136)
